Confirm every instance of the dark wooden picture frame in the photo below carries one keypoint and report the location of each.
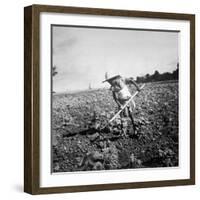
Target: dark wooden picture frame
(32, 96)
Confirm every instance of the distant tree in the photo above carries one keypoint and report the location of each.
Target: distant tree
(140, 79)
(175, 72)
(166, 76)
(156, 76)
(147, 77)
(90, 87)
(156, 73)
(54, 70)
(106, 75)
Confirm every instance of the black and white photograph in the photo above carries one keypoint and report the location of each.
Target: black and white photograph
(114, 98)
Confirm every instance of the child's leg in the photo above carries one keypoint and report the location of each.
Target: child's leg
(123, 116)
(130, 112)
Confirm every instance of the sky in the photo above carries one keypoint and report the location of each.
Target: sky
(83, 55)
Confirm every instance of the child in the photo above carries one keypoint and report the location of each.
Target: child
(121, 94)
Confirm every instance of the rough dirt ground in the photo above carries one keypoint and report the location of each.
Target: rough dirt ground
(79, 143)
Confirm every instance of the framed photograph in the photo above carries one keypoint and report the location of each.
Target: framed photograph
(109, 99)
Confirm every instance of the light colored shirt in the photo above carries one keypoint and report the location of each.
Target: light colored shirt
(123, 94)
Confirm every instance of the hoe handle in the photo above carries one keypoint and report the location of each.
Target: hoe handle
(124, 106)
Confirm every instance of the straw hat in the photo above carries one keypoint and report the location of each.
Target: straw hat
(110, 77)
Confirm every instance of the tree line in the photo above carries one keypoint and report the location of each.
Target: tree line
(156, 76)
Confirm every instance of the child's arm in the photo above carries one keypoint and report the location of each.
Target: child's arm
(131, 81)
(115, 98)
